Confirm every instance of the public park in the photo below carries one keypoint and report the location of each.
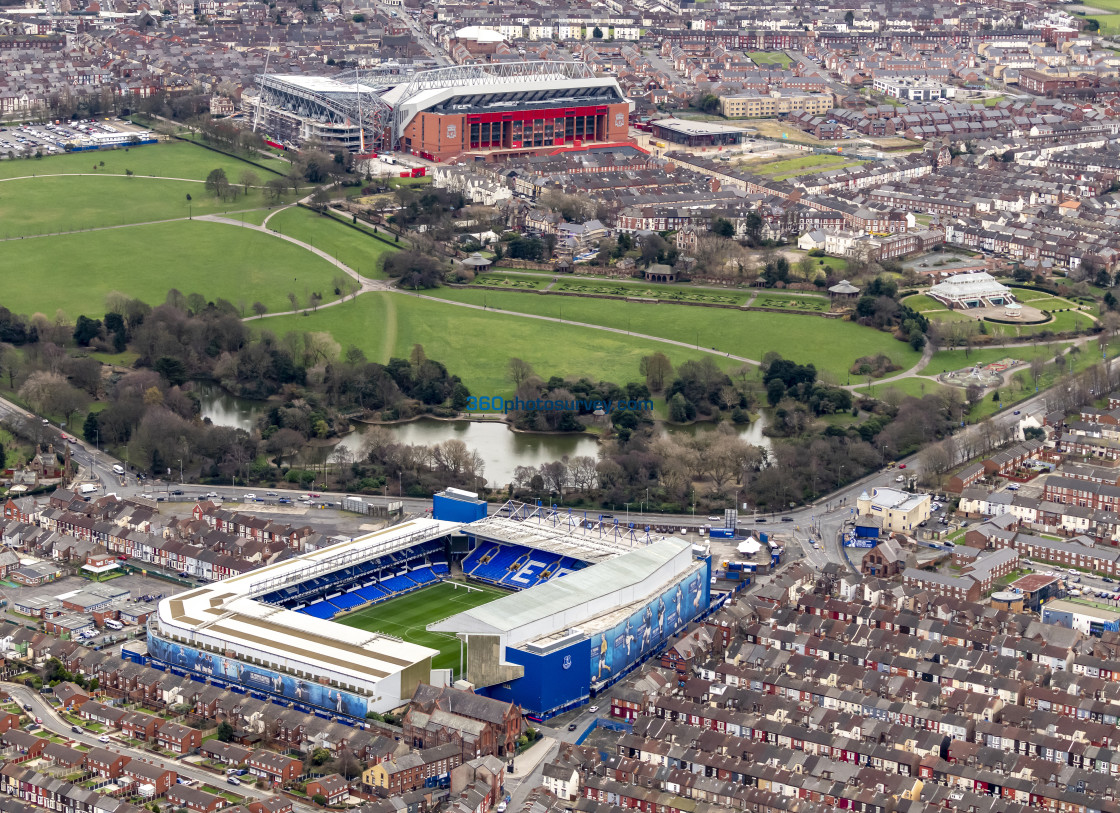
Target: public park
(294, 269)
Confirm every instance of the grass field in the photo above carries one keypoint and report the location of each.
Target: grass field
(476, 344)
(828, 343)
(53, 205)
(804, 165)
(922, 303)
(358, 249)
(802, 304)
(173, 160)
(769, 58)
(408, 616)
(75, 272)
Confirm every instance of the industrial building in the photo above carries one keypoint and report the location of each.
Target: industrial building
(484, 111)
(892, 509)
(1083, 616)
(696, 133)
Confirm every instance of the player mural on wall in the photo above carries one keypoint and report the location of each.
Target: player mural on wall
(645, 630)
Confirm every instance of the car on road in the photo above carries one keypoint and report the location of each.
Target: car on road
(900, 479)
(572, 726)
(178, 492)
(1016, 412)
(213, 495)
(314, 496)
(26, 707)
(902, 465)
(760, 519)
(233, 780)
(103, 738)
(75, 729)
(714, 519)
(787, 519)
(1107, 580)
(270, 494)
(249, 497)
(593, 709)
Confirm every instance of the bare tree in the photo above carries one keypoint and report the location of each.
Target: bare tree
(519, 372)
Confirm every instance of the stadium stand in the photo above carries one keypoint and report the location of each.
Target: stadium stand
(348, 601)
(423, 575)
(321, 609)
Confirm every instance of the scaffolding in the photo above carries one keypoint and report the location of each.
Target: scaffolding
(353, 104)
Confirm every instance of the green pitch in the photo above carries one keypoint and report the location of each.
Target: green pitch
(408, 616)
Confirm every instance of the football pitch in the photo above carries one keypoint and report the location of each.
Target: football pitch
(406, 617)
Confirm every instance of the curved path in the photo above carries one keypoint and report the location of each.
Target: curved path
(367, 285)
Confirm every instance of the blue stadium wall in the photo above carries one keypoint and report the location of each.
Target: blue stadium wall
(569, 676)
(222, 670)
(457, 509)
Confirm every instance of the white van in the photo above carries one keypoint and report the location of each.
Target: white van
(118, 470)
(113, 624)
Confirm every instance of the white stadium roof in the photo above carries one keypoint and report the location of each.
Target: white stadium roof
(969, 285)
(588, 598)
(225, 614)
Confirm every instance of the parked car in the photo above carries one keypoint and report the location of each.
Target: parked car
(75, 729)
(103, 738)
(249, 497)
(233, 780)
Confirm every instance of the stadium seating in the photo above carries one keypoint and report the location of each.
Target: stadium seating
(532, 569)
(423, 575)
(372, 593)
(440, 568)
(321, 609)
(398, 584)
(476, 557)
(348, 601)
(500, 563)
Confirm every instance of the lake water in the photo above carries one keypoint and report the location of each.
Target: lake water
(501, 449)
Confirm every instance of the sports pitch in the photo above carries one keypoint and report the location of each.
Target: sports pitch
(408, 616)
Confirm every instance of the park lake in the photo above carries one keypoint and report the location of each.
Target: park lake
(503, 450)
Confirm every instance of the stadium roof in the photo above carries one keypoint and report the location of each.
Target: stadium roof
(589, 538)
(523, 81)
(572, 599)
(226, 612)
(696, 128)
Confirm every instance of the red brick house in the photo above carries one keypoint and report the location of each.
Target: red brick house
(143, 773)
(70, 695)
(194, 799)
(140, 726)
(277, 769)
(180, 739)
(333, 788)
(105, 762)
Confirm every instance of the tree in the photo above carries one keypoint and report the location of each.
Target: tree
(519, 372)
(225, 732)
(321, 199)
(248, 179)
(849, 18)
(723, 227)
(91, 429)
(708, 103)
(51, 393)
(320, 756)
(657, 369)
(259, 308)
(217, 184)
(86, 330)
(597, 33)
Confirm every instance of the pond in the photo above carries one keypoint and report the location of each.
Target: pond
(501, 449)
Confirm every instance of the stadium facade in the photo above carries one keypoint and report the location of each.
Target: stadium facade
(590, 599)
(484, 111)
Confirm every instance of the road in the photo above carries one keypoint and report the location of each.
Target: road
(53, 722)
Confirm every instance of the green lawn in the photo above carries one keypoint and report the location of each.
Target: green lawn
(803, 304)
(803, 165)
(477, 344)
(946, 361)
(408, 616)
(60, 204)
(831, 344)
(918, 387)
(921, 303)
(511, 281)
(646, 290)
(1110, 23)
(171, 160)
(770, 58)
(75, 272)
(357, 248)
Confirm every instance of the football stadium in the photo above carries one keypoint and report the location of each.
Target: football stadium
(533, 605)
(484, 111)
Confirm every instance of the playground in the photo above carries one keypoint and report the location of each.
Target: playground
(983, 375)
